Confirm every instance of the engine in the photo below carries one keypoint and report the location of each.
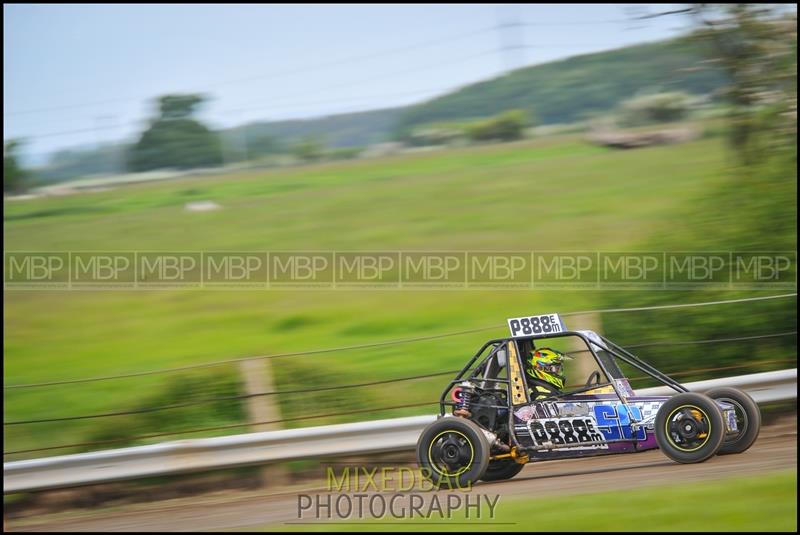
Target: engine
(487, 408)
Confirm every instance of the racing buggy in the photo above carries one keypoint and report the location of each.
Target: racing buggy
(491, 423)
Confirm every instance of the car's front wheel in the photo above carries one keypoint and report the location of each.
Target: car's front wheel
(689, 428)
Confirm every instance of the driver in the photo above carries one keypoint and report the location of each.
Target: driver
(545, 372)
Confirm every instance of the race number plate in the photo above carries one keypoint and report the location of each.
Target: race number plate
(562, 432)
(535, 325)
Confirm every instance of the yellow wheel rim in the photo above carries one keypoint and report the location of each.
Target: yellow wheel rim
(463, 468)
(694, 411)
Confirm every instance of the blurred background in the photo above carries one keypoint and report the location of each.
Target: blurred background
(668, 127)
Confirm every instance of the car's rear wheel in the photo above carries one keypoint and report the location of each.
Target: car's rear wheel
(748, 418)
(502, 469)
(689, 428)
(453, 452)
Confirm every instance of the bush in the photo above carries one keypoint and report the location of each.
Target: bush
(436, 134)
(656, 108)
(507, 126)
(308, 149)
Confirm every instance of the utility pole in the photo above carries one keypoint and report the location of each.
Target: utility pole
(511, 36)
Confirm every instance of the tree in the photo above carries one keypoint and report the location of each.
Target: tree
(175, 139)
(754, 209)
(507, 126)
(15, 178)
(179, 106)
(308, 149)
(656, 108)
(756, 45)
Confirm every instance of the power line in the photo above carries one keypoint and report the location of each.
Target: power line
(334, 63)
(365, 57)
(71, 132)
(260, 106)
(506, 48)
(664, 13)
(289, 72)
(385, 75)
(316, 91)
(386, 342)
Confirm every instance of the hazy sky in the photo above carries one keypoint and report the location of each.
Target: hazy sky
(82, 74)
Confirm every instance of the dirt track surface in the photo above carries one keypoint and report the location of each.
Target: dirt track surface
(775, 449)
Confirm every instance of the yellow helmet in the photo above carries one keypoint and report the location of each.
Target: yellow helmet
(547, 365)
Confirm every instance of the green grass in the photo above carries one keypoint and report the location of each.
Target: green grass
(754, 503)
(556, 193)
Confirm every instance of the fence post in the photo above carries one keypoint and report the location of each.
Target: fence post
(591, 322)
(257, 375)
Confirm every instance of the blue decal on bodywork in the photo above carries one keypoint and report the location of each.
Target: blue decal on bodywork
(614, 421)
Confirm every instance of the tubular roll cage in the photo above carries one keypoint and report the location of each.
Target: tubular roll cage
(611, 348)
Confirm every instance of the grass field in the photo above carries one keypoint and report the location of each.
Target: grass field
(556, 193)
(754, 503)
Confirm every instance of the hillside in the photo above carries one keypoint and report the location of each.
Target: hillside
(557, 92)
(344, 130)
(575, 88)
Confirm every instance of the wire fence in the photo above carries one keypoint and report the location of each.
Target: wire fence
(336, 414)
(385, 342)
(224, 427)
(308, 390)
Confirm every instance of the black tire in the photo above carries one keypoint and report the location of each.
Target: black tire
(502, 469)
(689, 428)
(453, 452)
(748, 418)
